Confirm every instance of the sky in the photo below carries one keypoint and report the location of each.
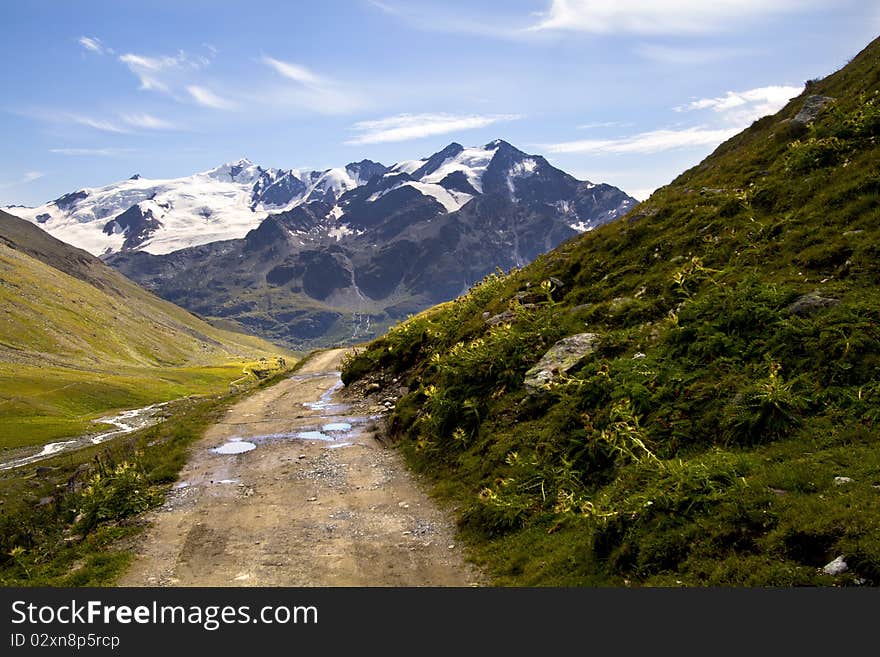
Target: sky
(631, 92)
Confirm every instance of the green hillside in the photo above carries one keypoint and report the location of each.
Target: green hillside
(78, 340)
(723, 429)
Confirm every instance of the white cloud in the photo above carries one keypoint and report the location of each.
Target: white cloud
(147, 121)
(405, 127)
(731, 113)
(164, 72)
(206, 97)
(93, 44)
(101, 152)
(97, 124)
(28, 177)
(654, 141)
(653, 17)
(293, 71)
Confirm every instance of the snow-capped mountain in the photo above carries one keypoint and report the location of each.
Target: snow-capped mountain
(162, 216)
(355, 249)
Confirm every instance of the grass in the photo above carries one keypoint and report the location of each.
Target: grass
(43, 404)
(699, 444)
(66, 523)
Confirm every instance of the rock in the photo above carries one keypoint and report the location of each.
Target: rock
(527, 297)
(836, 567)
(45, 501)
(556, 283)
(638, 355)
(43, 470)
(562, 357)
(841, 481)
(501, 318)
(487, 315)
(812, 106)
(809, 303)
(373, 387)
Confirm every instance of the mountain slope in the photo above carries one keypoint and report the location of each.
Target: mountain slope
(68, 322)
(710, 420)
(341, 270)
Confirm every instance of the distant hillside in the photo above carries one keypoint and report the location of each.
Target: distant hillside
(78, 339)
(711, 418)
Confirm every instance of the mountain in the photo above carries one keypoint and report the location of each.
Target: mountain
(687, 396)
(337, 269)
(78, 339)
(161, 216)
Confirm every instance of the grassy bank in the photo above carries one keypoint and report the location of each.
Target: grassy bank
(722, 430)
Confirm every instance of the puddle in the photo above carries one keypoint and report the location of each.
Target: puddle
(312, 435)
(324, 403)
(336, 426)
(234, 447)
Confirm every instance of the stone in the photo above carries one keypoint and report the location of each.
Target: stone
(812, 106)
(809, 303)
(841, 481)
(373, 387)
(562, 357)
(836, 567)
(501, 318)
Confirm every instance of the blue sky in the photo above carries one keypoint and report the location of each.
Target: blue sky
(629, 92)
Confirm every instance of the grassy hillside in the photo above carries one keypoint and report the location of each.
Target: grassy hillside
(723, 431)
(78, 340)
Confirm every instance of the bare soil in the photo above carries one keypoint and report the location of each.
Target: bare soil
(342, 510)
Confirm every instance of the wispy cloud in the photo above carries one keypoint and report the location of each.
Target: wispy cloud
(207, 98)
(438, 17)
(164, 72)
(603, 124)
(88, 152)
(302, 88)
(147, 122)
(28, 177)
(97, 124)
(652, 17)
(731, 113)
(644, 143)
(293, 71)
(405, 127)
(94, 44)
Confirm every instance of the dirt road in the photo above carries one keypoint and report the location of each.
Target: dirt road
(315, 501)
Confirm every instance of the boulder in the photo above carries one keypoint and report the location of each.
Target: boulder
(812, 106)
(562, 357)
(836, 567)
(501, 318)
(809, 303)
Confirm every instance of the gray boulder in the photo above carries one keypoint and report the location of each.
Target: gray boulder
(836, 567)
(812, 106)
(810, 303)
(561, 358)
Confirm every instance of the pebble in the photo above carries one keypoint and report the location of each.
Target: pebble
(312, 499)
(840, 481)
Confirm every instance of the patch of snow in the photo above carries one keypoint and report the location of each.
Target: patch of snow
(473, 162)
(581, 227)
(451, 200)
(407, 166)
(341, 230)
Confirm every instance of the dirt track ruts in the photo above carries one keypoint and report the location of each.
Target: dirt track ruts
(298, 513)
